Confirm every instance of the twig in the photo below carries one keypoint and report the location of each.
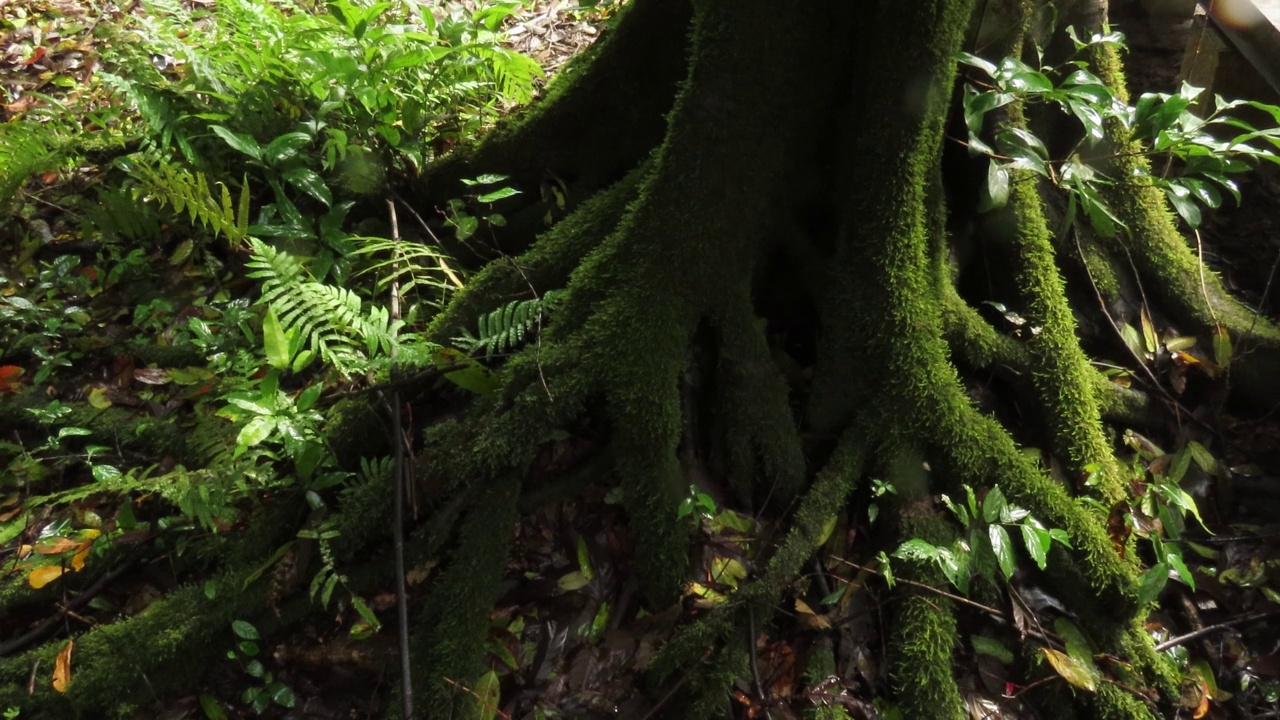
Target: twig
(399, 486)
(479, 699)
(1208, 629)
(38, 632)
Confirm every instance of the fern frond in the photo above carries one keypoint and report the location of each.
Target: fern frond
(26, 148)
(332, 320)
(507, 327)
(186, 191)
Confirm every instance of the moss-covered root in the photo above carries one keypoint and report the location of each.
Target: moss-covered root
(925, 636)
(122, 666)
(545, 266)
(449, 636)
(629, 77)
(1064, 379)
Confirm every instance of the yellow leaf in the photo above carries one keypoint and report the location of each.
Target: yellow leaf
(809, 618)
(62, 668)
(77, 562)
(45, 575)
(98, 398)
(572, 581)
(1070, 669)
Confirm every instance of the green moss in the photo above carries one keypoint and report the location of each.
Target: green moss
(924, 634)
(449, 635)
(1063, 378)
(162, 650)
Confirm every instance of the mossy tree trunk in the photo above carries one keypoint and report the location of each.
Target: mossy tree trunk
(797, 203)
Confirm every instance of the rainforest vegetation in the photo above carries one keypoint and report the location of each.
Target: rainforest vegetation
(844, 360)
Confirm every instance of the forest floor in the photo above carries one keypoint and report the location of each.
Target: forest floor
(565, 633)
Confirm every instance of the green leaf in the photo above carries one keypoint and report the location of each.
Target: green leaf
(1173, 557)
(244, 630)
(307, 398)
(282, 694)
(575, 580)
(275, 342)
(1037, 541)
(1003, 549)
(1180, 198)
(285, 147)
(488, 695)
(1151, 583)
(1030, 82)
(254, 432)
(584, 558)
(243, 143)
(993, 504)
(497, 195)
(309, 182)
(1070, 669)
(1222, 346)
(983, 645)
(972, 60)
(994, 194)
(212, 709)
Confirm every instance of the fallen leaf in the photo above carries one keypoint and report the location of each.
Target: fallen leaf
(1070, 669)
(98, 398)
(151, 376)
(62, 668)
(45, 575)
(53, 546)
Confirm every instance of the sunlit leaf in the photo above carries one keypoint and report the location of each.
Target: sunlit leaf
(1070, 670)
(62, 668)
(1003, 549)
(45, 575)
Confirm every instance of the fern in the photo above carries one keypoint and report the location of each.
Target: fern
(507, 327)
(25, 149)
(190, 192)
(331, 320)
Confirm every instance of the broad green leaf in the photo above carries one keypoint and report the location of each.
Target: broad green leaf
(285, 147)
(1151, 583)
(238, 141)
(308, 397)
(993, 504)
(994, 194)
(250, 405)
(275, 342)
(972, 60)
(1003, 549)
(245, 630)
(1030, 82)
(1180, 199)
(1173, 557)
(983, 645)
(1037, 541)
(497, 195)
(282, 694)
(1202, 456)
(254, 432)
(1070, 670)
(573, 581)
(1078, 646)
(309, 182)
(1222, 346)
(1132, 339)
(211, 708)
(488, 695)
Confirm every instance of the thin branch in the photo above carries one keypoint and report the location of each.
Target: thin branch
(399, 486)
(1209, 629)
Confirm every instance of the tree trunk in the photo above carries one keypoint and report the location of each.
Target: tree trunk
(798, 211)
